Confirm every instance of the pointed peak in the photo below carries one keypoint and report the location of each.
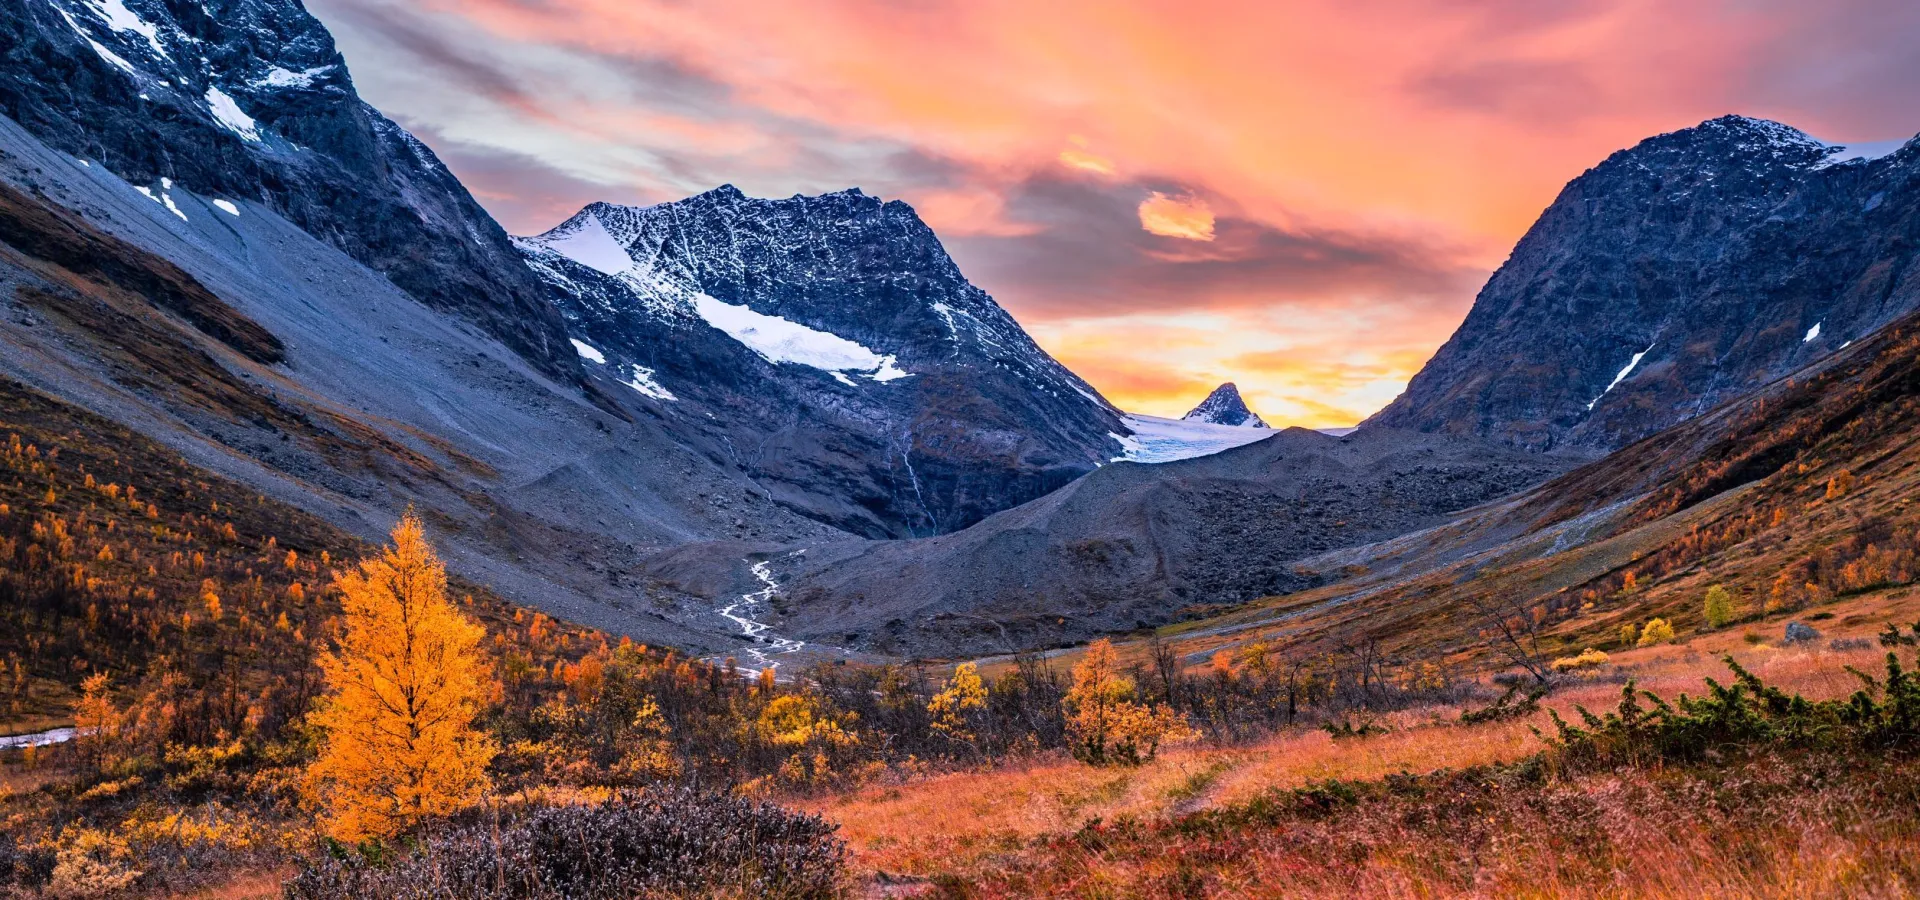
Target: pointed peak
(725, 193)
(1225, 407)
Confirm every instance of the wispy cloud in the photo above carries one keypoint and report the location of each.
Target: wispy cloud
(1358, 165)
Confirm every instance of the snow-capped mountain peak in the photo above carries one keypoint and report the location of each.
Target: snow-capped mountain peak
(837, 313)
(1225, 407)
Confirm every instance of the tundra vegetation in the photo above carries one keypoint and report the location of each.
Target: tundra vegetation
(266, 705)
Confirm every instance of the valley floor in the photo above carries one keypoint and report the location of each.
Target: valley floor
(1443, 814)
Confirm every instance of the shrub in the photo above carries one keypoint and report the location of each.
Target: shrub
(1657, 631)
(1345, 729)
(1748, 712)
(23, 867)
(1719, 610)
(678, 844)
(1507, 707)
(1588, 659)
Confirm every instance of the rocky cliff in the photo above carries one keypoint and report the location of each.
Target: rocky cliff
(249, 100)
(1674, 276)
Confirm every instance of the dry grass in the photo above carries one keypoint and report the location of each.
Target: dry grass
(973, 822)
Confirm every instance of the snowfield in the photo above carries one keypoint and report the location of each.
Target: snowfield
(782, 341)
(1157, 440)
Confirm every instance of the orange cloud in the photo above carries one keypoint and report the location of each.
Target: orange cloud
(1363, 162)
(1080, 159)
(1181, 217)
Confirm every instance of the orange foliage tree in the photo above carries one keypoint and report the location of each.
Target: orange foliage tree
(405, 684)
(1106, 722)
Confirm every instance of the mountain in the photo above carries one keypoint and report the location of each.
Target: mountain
(1686, 271)
(833, 347)
(1224, 407)
(208, 238)
(289, 291)
(1128, 546)
(249, 100)
(1796, 495)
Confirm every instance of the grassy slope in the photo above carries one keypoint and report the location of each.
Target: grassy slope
(1740, 498)
(1686, 509)
(1000, 830)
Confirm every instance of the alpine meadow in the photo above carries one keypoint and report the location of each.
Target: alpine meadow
(984, 450)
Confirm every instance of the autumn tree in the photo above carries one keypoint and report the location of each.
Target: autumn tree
(955, 706)
(404, 684)
(1719, 611)
(97, 723)
(1106, 722)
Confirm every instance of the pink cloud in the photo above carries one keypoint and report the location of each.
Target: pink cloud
(1359, 161)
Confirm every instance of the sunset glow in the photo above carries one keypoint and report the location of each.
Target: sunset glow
(1300, 197)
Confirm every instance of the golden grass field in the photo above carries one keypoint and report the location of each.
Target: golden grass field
(970, 828)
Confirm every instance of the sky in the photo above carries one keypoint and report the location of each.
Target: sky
(1301, 197)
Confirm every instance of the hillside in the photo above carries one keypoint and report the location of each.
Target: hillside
(1674, 276)
(1129, 546)
(1792, 498)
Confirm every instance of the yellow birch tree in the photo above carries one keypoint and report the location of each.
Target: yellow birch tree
(405, 683)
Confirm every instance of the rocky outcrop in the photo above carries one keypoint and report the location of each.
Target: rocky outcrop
(834, 347)
(1674, 276)
(1224, 407)
(1132, 545)
(249, 100)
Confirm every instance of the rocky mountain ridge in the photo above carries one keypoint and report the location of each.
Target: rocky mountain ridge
(250, 100)
(833, 344)
(1677, 274)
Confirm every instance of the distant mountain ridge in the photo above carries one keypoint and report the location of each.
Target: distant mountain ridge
(833, 342)
(250, 100)
(1683, 272)
(1225, 407)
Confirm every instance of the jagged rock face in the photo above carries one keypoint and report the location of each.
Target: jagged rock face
(249, 99)
(1673, 277)
(834, 347)
(1224, 407)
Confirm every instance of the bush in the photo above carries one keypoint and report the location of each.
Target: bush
(1511, 705)
(23, 867)
(1588, 659)
(679, 844)
(1657, 631)
(1346, 729)
(1107, 722)
(1646, 729)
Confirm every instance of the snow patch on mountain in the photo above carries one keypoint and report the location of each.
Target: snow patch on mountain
(1622, 376)
(119, 18)
(1157, 440)
(1812, 333)
(112, 58)
(587, 351)
(640, 378)
(230, 116)
(589, 244)
(278, 77)
(781, 341)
